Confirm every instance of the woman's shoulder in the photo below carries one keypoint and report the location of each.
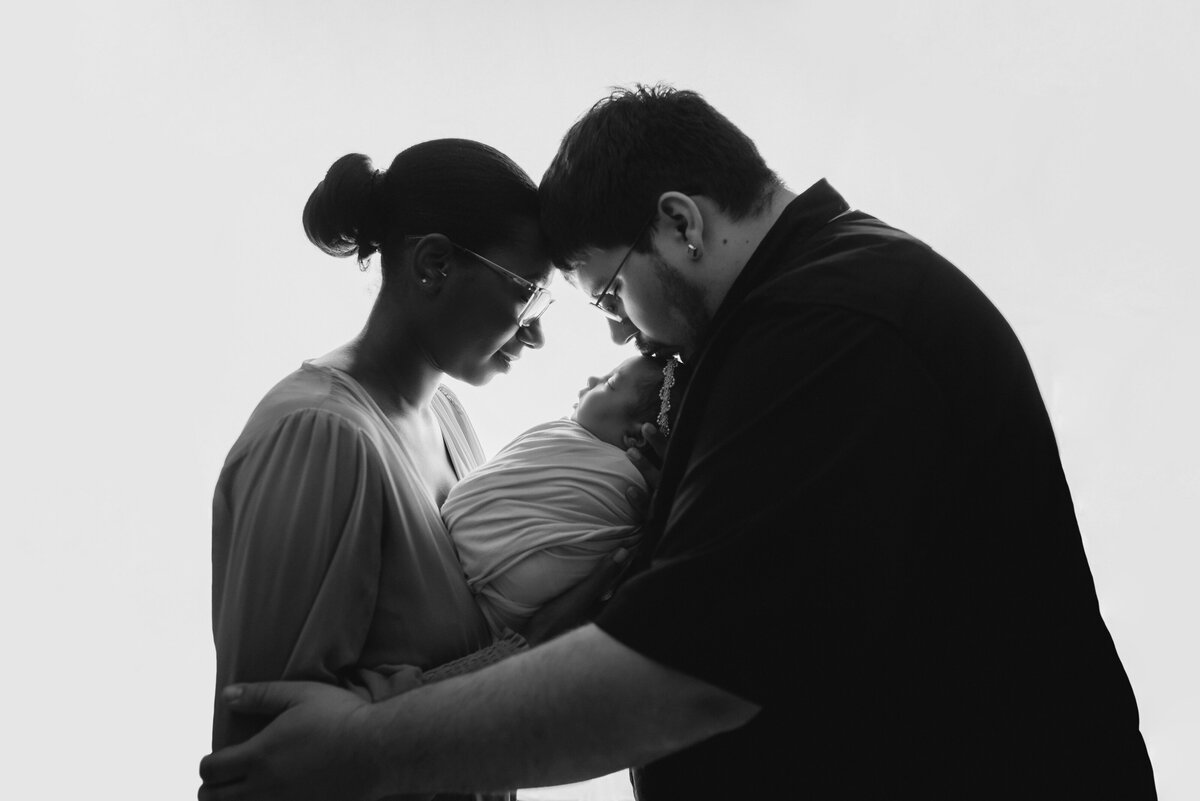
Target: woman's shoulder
(310, 401)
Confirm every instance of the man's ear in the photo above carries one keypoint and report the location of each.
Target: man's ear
(431, 261)
(680, 227)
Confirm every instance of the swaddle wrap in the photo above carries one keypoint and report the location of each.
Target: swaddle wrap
(536, 519)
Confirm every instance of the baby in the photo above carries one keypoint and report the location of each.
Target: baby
(536, 519)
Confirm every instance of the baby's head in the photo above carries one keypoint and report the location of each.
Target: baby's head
(614, 406)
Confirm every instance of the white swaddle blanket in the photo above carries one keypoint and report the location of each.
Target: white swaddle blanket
(536, 519)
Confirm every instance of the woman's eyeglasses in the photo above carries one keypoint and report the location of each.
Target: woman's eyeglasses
(538, 298)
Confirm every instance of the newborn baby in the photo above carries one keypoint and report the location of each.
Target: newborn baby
(536, 519)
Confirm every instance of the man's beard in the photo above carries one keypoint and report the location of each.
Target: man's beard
(688, 302)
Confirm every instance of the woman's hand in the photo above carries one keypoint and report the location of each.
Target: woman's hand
(647, 453)
(579, 604)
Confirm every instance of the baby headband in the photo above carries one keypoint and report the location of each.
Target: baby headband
(664, 396)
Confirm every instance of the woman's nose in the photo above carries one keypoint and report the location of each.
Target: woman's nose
(531, 336)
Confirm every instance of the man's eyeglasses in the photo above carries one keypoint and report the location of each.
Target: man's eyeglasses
(606, 302)
(538, 298)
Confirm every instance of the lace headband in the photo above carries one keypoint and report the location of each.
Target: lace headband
(664, 396)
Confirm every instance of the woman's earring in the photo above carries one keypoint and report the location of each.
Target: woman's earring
(694, 252)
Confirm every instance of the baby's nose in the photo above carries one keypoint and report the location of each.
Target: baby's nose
(591, 382)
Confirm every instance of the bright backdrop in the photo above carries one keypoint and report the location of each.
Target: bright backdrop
(156, 281)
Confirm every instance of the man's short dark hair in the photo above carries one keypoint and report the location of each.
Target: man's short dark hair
(613, 164)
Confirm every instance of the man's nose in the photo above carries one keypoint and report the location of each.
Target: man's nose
(621, 330)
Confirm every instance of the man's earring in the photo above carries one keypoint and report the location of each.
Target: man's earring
(694, 252)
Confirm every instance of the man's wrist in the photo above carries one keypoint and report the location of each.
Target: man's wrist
(368, 733)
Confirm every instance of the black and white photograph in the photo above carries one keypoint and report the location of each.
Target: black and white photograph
(548, 401)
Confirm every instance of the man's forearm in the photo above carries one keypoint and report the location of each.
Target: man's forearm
(580, 706)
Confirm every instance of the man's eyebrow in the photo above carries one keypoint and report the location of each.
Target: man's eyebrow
(572, 278)
(546, 280)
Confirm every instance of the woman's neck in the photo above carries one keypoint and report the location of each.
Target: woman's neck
(389, 363)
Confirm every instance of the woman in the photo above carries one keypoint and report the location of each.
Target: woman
(330, 558)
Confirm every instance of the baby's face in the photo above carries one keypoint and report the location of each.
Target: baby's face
(608, 404)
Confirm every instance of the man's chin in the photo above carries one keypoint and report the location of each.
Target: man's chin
(661, 350)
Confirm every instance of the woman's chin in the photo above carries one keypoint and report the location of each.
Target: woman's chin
(480, 378)
(484, 373)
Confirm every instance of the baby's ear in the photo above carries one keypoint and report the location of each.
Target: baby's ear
(632, 436)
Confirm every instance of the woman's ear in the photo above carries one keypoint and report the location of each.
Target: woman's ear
(431, 261)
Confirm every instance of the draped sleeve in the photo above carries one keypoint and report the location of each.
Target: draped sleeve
(330, 559)
(296, 553)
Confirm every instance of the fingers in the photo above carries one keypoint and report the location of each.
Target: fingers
(654, 440)
(264, 767)
(600, 577)
(647, 468)
(617, 563)
(221, 769)
(609, 569)
(224, 772)
(265, 698)
(578, 604)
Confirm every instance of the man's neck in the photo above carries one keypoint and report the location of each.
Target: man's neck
(733, 242)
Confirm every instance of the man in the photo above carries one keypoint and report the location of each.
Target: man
(863, 574)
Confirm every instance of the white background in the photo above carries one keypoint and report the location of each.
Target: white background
(157, 155)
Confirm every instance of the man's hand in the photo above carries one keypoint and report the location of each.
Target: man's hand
(312, 750)
(647, 453)
(583, 705)
(582, 602)
(579, 604)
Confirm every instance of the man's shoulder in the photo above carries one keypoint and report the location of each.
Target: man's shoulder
(855, 261)
(862, 267)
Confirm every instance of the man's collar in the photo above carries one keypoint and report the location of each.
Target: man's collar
(807, 213)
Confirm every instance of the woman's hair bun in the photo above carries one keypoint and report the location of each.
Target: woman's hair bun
(465, 190)
(339, 216)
